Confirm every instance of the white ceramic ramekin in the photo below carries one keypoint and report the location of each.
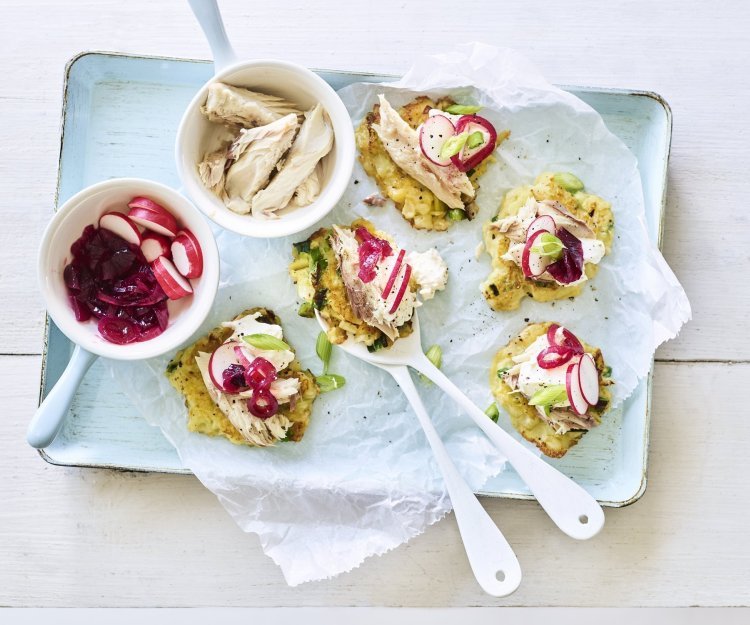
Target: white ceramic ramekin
(85, 208)
(196, 134)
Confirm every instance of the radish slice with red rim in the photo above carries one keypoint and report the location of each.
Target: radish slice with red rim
(554, 356)
(433, 134)
(401, 290)
(557, 335)
(169, 279)
(392, 278)
(573, 387)
(187, 255)
(545, 223)
(121, 226)
(533, 264)
(588, 379)
(468, 158)
(154, 245)
(156, 222)
(223, 357)
(148, 204)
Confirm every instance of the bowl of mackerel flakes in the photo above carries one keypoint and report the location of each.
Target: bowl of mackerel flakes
(265, 148)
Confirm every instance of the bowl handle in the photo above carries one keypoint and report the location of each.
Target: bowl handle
(208, 16)
(49, 417)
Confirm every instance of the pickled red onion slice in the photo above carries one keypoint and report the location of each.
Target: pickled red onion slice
(263, 404)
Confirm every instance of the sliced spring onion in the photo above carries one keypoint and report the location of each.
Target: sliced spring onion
(568, 181)
(463, 109)
(435, 355)
(323, 348)
(549, 396)
(502, 371)
(475, 140)
(456, 214)
(492, 412)
(265, 341)
(306, 309)
(454, 145)
(548, 245)
(607, 373)
(329, 382)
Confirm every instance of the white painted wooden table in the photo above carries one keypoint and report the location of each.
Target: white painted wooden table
(71, 537)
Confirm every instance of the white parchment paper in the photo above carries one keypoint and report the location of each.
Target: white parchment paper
(363, 481)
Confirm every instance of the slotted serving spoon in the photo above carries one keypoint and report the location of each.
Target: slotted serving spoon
(569, 506)
(491, 557)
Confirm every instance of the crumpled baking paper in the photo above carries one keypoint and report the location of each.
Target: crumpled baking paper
(363, 480)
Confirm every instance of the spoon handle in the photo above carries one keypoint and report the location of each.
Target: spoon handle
(49, 417)
(571, 508)
(209, 17)
(492, 559)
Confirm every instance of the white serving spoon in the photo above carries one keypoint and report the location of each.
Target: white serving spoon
(492, 559)
(571, 508)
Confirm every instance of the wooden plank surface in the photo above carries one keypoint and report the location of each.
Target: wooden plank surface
(675, 48)
(81, 537)
(74, 537)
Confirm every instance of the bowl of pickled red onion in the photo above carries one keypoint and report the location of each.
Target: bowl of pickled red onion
(128, 269)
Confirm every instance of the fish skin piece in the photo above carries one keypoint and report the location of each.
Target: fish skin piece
(256, 152)
(401, 142)
(314, 140)
(226, 104)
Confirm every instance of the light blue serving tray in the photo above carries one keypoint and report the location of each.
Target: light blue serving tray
(120, 116)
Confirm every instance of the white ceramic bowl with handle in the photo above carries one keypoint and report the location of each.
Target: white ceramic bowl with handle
(185, 315)
(196, 135)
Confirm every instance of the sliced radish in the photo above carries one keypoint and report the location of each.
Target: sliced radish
(573, 387)
(187, 255)
(545, 223)
(432, 137)
(154, 245)
(152, 216)
(220, 360)
(121, 226)
(468, 158)
(148, 204)
(392, 278)
(401, 290)
(533, 264)
(166, 274)
(588, 379)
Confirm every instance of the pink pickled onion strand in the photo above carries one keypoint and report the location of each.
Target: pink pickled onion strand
(240, 353)
(570, 341)
(554, 356)
(401, 290)
(394, 274)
